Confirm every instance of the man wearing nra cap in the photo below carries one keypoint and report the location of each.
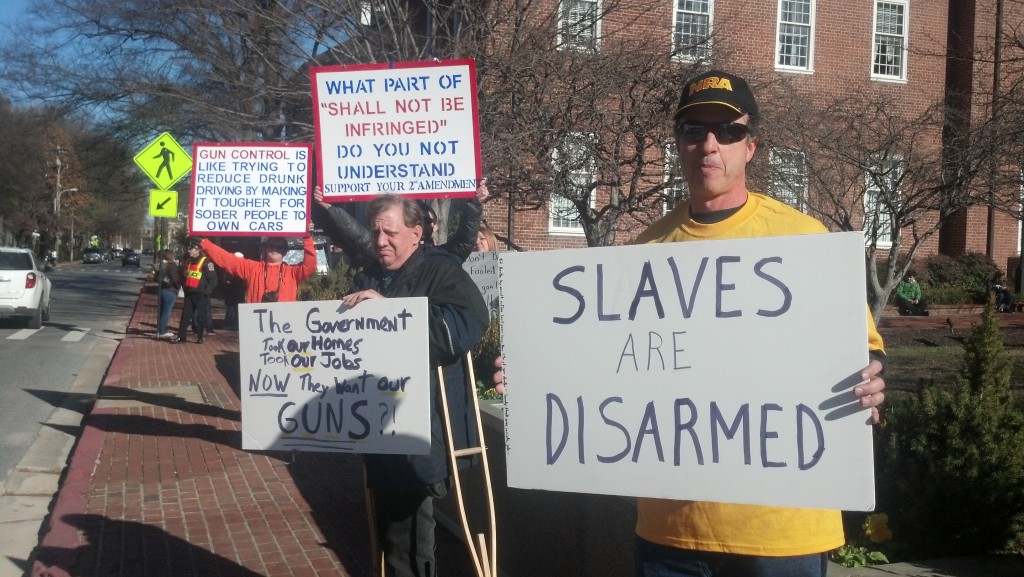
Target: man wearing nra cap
(716, 136)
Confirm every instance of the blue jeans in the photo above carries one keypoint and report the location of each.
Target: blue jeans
(653, 560)
(167, 298)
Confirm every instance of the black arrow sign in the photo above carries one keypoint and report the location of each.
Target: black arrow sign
(161, 205)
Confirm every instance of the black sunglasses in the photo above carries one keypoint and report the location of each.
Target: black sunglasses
(725, 132)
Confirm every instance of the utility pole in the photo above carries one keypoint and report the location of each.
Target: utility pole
(56, 205)
(56, 201)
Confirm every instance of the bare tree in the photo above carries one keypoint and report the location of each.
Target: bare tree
(238, 70)
(575, 109)
(873, 166)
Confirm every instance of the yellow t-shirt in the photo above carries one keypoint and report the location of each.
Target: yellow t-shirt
(723, 527)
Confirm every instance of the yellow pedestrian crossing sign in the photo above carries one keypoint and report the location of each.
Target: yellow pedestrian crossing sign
(164, 161)
(163, 203)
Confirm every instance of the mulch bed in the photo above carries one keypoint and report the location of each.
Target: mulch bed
(945, 330)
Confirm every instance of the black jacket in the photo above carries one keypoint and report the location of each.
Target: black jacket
(458, 319)
(168, 276)
(353, 238)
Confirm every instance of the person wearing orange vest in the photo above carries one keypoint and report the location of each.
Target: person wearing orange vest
(198, 279)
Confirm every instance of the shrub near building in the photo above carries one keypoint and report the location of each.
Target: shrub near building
(954, 281)
(950, 459)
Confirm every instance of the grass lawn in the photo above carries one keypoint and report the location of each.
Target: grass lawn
(932, 355)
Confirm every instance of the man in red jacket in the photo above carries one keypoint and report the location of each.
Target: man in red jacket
(270, 279)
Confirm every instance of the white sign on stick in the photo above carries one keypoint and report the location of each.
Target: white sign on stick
(713, 371)
(482, 267)
(250, 189)
(407, 128)
(319, 376)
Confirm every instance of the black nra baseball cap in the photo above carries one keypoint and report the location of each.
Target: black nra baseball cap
(721, 88)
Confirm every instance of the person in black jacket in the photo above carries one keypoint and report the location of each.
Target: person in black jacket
(198, 279)
(168, 281)
(404, 486)
(355, 241)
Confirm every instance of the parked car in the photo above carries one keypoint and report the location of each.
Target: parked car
(115, 253)
(94, 256)
(131, 258)
(24, 288)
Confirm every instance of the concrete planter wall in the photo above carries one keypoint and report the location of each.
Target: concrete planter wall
(544, 533)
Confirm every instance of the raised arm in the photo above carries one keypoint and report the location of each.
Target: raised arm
(345, 231)
(462, 243)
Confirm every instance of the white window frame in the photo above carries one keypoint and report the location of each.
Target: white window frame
(673, 194)
(684, 13)
(578, 39)
(885, 230)
(795, 29)
(563, 217)
(883, 40)
(789, 182)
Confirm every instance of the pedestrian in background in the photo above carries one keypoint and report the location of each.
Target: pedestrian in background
(908, 297)
(168, 281)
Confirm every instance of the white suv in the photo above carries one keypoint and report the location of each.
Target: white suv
(24, 289)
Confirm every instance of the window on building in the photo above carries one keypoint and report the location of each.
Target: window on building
(578, 25)
(691, 38)
(889, 54)
(796, 34)
(574, 171)
(789, 177)
(676, 189)
(881, 196)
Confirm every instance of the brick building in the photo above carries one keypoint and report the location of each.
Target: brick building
(904, 59)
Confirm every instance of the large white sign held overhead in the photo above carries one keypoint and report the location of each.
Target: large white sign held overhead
(716, 371)
(407, 128)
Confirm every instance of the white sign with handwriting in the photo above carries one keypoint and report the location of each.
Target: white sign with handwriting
(482, 267)
(713, 371)
(319, 376)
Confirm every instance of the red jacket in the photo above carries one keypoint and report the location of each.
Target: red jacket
(261, 277)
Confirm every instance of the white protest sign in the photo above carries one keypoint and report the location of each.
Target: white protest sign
(408, 128)
(319, 376)
(250, 189)
(482, 267)
(713, 371)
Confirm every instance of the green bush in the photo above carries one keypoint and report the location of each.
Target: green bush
(326, 287)
(949, 296)
(970, 273)
(484, 354)
(950, 459)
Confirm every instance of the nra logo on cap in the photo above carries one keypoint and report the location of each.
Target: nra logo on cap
(711, 82)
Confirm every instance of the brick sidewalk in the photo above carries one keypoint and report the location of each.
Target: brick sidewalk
(158, 483)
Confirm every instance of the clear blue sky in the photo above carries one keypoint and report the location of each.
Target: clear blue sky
(9, 9)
